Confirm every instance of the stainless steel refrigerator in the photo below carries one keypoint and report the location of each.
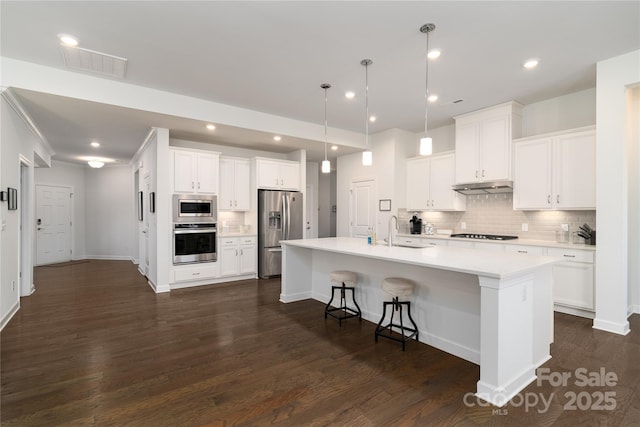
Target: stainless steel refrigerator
(279, 218)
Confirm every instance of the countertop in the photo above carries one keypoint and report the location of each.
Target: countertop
(498, 265)
(518, 241)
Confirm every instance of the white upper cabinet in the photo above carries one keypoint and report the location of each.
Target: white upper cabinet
(555, 171)
(195, 171)
(429, 181)
(235, 185)
(278, 174)
(483, 143)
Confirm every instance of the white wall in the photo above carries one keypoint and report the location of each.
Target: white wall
(69, 175)
(563, 112)
(633, 129)
(16, 139)
(109, 210)
(614, 77)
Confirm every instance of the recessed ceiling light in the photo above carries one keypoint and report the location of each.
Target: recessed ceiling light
(349, 95)
(434, 54)
(277, 138)
(334, 147)
(432, 98)
(211, 127)
(372, 119)
(531, 63)
(95, 144)
(68, 40)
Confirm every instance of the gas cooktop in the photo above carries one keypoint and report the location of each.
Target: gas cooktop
(484, 236)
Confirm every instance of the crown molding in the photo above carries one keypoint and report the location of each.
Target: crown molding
(15, 104)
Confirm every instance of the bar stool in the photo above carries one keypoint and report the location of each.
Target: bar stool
(397, 287)
(343, 281)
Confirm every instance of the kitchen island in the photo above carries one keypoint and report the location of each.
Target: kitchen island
(493, 309)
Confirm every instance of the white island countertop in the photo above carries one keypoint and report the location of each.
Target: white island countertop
(497, 265)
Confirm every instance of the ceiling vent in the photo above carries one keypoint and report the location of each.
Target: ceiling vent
(90, 61)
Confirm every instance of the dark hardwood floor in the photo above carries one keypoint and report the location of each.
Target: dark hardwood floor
(95, 346)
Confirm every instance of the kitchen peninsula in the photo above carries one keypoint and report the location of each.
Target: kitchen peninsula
(492, 309)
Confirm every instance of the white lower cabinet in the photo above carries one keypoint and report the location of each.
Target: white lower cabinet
(191, 272)
(237, 255)
(573, 283)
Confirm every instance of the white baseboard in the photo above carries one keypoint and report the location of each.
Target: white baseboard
(574, 311)
(108, 257)
(205, 282)
(607, 326)
(7, 318)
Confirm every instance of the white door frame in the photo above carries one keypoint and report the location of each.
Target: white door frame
(26, 227)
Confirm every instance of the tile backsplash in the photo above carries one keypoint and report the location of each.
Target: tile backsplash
(494, 214)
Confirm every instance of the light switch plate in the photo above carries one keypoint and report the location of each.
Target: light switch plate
(525, 226)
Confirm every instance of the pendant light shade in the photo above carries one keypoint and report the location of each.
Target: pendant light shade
(326, 164)
(426, 143)
(426, 146)
(367, 155)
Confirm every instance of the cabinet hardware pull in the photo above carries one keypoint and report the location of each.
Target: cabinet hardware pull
(483, 173)
(549, 198)
(557, 198)
(476, 174)
(236, 252)
(198, 185)
(241, 253)
(195, 274)
(523, 252)
(192, 185)
(569, 256)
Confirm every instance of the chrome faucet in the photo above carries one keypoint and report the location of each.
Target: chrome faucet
(390, 235)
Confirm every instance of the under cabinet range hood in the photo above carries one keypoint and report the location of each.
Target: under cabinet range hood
(494, 187)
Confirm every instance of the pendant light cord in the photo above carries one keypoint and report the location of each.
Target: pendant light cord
(325, 120)
(366, 102)
(426, 90)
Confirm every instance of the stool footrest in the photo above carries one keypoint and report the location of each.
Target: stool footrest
(405, 333)
(345, 312)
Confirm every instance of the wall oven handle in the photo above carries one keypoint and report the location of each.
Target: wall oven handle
(199, 230)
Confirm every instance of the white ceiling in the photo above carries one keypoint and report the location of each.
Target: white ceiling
(272, 57)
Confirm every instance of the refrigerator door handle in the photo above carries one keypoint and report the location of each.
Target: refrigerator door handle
(274, 250)
(285, 217)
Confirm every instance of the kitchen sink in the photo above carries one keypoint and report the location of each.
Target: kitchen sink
(413, 245)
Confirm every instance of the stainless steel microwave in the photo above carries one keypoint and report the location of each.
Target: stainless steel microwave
(194, 208)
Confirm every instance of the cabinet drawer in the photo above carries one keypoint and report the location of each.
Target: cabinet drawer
(229, 241)
(460, 243)
(248, 240)
(198, 272)
(523, 249)
(435, 242)
(572, 254)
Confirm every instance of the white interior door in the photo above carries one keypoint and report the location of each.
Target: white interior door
(311, 228)
(53, 224)
(363, 207)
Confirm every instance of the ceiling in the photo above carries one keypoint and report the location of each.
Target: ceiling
(272, 57)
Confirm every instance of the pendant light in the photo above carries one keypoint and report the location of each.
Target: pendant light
(367, 155)
(426, 143)
(326, 164)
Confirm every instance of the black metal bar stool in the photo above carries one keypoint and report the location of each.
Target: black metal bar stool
(343, 281)
(397, 287)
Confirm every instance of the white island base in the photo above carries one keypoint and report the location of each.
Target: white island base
(492, 309)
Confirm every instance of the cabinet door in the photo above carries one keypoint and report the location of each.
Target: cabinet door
(207, 173)
(228, 260)
(495, 151)
(418, 184)
(290, 176)
(467, 143)
(532, 174)
(573, 284)
(268, 172)
(441, 177)
(575, 178)
(242, 175)
(183, 172)
(247, 259)
(227, 184)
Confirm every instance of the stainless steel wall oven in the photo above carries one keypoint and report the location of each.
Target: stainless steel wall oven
(194, 243)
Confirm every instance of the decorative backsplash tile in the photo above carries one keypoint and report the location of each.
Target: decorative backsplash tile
(494, 214)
